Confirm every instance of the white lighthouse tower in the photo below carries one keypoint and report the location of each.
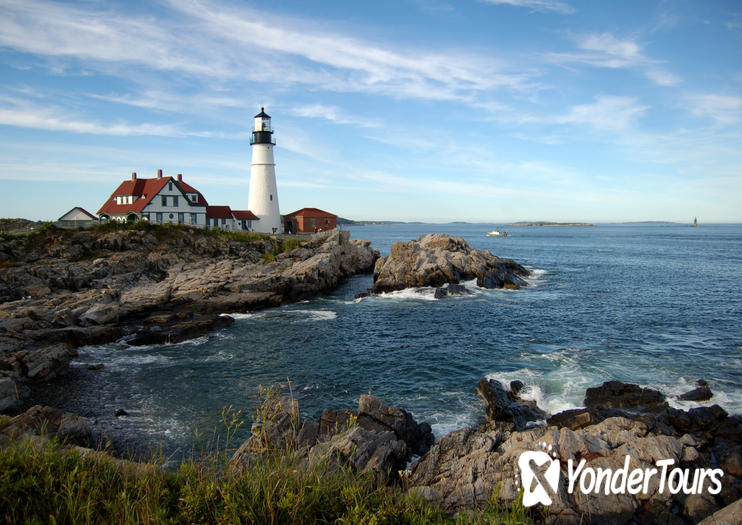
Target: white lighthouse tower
(263, 196)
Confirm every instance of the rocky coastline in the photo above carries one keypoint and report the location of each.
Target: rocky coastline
(63, 289)
(621, 427)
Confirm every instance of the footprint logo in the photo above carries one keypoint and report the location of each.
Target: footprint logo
(541, 467)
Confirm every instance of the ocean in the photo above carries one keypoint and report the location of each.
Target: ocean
(653, 304)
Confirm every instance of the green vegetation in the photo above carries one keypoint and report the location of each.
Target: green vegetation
(45, 482)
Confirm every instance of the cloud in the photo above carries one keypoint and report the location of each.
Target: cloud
(333, 114)
(723, 109)
(536, 5)
(607, 113)
(226, 43)
(607, 51)
(47, 120)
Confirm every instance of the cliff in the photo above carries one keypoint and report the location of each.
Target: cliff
(64, 289)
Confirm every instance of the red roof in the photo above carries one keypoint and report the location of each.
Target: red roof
(244, 214)
(187, 188)
(218, 212)
(311, 212)
(145, 189)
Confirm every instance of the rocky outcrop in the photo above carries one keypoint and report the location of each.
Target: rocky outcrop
(436, 259)
(62, 290)
(502, 405)
(375, 439)
(623, 426)
(50, 423)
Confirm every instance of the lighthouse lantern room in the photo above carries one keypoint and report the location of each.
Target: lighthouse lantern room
(263, 195)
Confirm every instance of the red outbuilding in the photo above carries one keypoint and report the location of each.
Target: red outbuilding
(309, 220)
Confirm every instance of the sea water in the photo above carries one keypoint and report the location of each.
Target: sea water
(658, 305)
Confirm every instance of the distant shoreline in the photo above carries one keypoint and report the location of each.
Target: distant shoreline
(544, 223)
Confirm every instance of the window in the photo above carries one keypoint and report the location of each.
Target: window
(271, 196)
(175, 201)
(327, 222)
(194, 197)
(158, 216)
(170, 186)
(314, 223)
(224, 221)
(181, 218)
(194, 218)
(163, 199)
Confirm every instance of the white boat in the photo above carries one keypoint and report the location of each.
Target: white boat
(497, 233)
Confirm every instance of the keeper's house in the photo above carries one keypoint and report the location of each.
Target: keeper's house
(168, 200)
(309, 220)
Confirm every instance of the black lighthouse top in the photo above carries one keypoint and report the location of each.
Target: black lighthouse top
(262, 133)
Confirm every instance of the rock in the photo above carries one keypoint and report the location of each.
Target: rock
(502, 406)
(516, 386)
(437, 259)
(99, 366)
(49, 422)
(332, 422)
(376, 416)
(8, 394)
(457, 289)
(121, 412)
(702, 393)
(440, 293)
(573, 419)
(615, 394)
(380, 454)
(361, 295)
(729, 515)
(277, 428)
(156, 290)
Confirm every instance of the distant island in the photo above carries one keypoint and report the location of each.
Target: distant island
(546, 223)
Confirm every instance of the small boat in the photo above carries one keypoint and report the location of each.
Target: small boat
(497, 233)
(695, 222)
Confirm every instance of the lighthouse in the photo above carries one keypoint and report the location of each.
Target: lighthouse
(263, 196)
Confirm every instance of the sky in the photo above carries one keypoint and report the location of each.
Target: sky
(429, 110)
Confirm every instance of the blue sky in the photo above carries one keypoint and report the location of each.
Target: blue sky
(433, 110)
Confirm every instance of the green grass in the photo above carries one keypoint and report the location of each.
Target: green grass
(44, 482)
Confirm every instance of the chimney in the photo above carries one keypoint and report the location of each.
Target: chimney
(133, 175)
(180, 177)
(159, 174)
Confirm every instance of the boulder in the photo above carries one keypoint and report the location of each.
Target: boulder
(374, 415)
(437, 259)
(380, 454)
(8, 394)
(615, 394)
(701, 393)
(49, 422)
(502, 405)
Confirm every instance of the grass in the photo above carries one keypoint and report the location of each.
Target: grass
(49, 484)
(45, 482)
(47, 232)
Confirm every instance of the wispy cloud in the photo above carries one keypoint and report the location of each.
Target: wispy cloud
(722, 109)
(607, 51)
(226, 42)
(606, 114)
(45, 119)
(333, 114)
(536, 5)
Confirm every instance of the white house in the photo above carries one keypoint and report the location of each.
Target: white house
(161, 200)
(165, 200)
(76, 217)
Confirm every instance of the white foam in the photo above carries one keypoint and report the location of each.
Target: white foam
(248, 315)
(418, 294)
(316, 315)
